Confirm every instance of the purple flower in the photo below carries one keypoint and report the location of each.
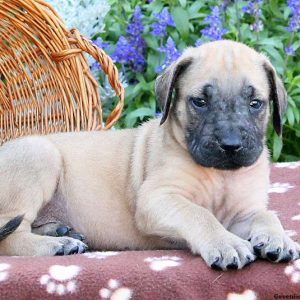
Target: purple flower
(289, 50)
(198, 43)
(130, 50)
(214, 30)
(253, 8)
(164, 19)
(257, 26)
(100, 43)
(172, 53)
(225, 4)
(294, 22)
(136, 27)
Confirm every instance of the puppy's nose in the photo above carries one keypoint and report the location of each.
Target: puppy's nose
(231, 143)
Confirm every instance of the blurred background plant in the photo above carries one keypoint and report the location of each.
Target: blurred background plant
(145, 36)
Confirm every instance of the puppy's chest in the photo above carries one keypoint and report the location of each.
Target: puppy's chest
(221, 197)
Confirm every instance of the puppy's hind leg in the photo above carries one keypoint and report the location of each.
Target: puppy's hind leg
(25, 243)
(30, 169)
(58, 229)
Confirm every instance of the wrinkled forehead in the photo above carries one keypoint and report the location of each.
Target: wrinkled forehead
(228, 68)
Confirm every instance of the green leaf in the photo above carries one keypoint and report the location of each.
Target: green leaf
(153, 61)
(297, 115)
(274, 8)
(277, 59)
(156, 6)
(290, 116)
(193, 10)
(152, 42)
(277, 147)
(295, 81)
(287, 12)
(139, 113)
(294, 92)
(181, 19)
(291, 102)
(275, 42)
(183, 3)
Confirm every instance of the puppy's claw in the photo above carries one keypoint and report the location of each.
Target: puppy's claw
(257, 249)
(273, 255)
(233, 265)
(74, 250)
(60, 252)
(84, 248)
(215, 265)
(286, 259)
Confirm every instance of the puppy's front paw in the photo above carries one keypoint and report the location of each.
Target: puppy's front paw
(70, 246)
(274, 246)
(227, 252)
(48, 245)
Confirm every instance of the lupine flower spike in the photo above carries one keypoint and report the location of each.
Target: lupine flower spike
(131, 50)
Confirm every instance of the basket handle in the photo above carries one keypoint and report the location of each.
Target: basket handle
(107, 65)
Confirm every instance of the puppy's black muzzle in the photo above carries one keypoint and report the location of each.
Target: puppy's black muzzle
(230, 141)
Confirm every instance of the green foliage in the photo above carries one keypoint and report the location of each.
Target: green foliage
(188, 16)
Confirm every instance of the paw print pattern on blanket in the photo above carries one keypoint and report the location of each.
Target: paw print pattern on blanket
(246, 295)
(115, 291)
(293, 271)
(296, 218)
(61, 279)
(280, 188)
(291, 165)
(3, 271)
(100, 255)
(164, 262)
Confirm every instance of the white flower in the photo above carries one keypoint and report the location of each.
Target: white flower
(85, 15)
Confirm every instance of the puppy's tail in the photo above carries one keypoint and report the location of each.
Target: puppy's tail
(10, 226)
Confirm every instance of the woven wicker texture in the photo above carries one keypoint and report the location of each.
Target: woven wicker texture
(45, 82)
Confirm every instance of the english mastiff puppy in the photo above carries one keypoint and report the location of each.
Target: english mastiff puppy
(196, 178)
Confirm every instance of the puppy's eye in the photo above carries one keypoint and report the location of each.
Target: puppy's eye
(198, 102)
(256, 104)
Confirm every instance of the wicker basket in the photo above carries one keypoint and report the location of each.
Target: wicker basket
(45, 82)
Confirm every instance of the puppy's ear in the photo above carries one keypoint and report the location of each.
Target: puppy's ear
(278, 96)
(165, 83)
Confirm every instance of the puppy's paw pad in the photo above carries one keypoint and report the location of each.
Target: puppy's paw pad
(115, 290)
(60, 280)
(164, 262)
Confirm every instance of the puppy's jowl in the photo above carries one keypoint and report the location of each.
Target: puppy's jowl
(197, 178)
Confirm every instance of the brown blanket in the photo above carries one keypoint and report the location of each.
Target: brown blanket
(161, 274)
